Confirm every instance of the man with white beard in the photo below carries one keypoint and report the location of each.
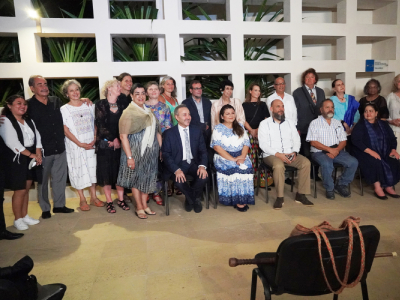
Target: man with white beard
(328, 139)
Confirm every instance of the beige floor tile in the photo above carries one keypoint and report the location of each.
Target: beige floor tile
(80, 291)
(127, 287)
(181, 285)
(170, 260)
(213, 255)
(167, 242)
(124, 247)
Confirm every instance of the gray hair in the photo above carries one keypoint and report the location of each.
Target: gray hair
(107, 85)
(31, 81)
(163, 81)
(176, 111)
(394, 86)
(67, 84)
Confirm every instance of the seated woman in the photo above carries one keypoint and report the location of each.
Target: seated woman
(163, 115)
(20, 143)
(393, 102)
(234, 170)
(141, 140)
(374, 145)
(346, 109)
(78, 119)
(372, 90)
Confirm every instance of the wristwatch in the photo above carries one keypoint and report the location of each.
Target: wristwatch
(129, 157)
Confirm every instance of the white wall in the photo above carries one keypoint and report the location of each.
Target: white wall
(346, 58)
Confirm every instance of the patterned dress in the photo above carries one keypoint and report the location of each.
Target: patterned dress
(163, 115)
(235, 183)
(81, 162)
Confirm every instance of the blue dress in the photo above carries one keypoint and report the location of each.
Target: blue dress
(235, 183)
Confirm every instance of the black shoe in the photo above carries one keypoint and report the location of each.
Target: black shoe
(188, 206)
(342, 190)
(301, 198)
(392, 195)
(64, 210)
(46, 215)
(278, 203)
(241, 209)
(380, 197)
(330, 195)
(289, 181)
(197, 206)
(7, 235)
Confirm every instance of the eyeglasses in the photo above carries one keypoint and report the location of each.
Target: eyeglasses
(278, 84)
(196, 89)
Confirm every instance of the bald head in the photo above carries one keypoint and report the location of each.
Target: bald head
(278, 110)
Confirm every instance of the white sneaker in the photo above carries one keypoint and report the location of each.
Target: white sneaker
(20, 224)
(30, 221)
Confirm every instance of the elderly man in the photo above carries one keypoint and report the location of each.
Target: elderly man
(287, 99)
(184, 153)
(45, 112)
(328, 139)
(280, 143)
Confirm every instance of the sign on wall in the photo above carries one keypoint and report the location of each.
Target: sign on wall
(372, 65)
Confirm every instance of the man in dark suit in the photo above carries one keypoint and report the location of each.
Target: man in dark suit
(308, 99)
(184, 153)
(200, 109)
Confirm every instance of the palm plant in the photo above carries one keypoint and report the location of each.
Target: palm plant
(206, 49)
(263, 10)
(10, 87)
(188, 12)
(40, 8)
(9, 50)
(210, 85)
(135, 49)
(89, 88)
(69, 49)
(7, 8)
(133, 10)
(266, 83)
(259, 49)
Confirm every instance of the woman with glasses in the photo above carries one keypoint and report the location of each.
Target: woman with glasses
(372, 89)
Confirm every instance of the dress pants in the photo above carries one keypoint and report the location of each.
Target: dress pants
(194, 190)
(303, 167)
(56, 167)
(2, 220)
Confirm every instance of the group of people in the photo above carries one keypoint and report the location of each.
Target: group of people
(138, 136)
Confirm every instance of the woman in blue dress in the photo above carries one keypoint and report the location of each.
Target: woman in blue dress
(234, 169)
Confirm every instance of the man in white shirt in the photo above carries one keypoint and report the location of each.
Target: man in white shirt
(287, 99)
(328, 139)
(279, 140)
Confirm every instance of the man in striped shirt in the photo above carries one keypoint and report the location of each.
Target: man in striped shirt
(328, 139)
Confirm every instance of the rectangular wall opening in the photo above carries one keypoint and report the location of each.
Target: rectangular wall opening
(266, 82)
(272, 11)
(210, 10)
(89, 88)
(139, 10)
(373, 47)
(9, 48)
(377, 12)
(210, 85)
(8, 87)
(64, 9)
(333, 11)
(137, 48)
(7, 9)
(68, 49)
(326, 79)
(324, 47)
(266, 47)
(205, 48)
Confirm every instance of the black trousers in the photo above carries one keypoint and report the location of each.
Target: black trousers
(2, 220)
(194, 190)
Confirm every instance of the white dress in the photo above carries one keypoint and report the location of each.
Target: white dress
(81, 162)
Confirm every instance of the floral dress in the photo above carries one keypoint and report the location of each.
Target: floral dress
(235, 183)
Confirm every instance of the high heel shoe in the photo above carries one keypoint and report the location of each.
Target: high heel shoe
(380, 197)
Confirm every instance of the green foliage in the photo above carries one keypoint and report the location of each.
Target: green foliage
(69, 49)
(206, 49)
(210, 85)
(90, 88)
(263, 10)
(7, 8)
(135, 49)
(9, 49)
(133, 10)
(188, 12)
(81, 12)
(56, 12)
(10, 87)
(255, 48)
(266, 83)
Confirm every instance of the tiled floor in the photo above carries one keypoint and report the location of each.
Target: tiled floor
(185, 255)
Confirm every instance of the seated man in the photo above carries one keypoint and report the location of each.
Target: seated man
(280, 142)
(184, 152)
(328, 139)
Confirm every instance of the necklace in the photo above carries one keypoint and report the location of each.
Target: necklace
(113, 105)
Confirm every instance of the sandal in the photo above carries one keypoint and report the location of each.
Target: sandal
(148, 211)
(170, 193)
(97, 202)
(110, 208)
(157, 198)
(123, 205)
(84, 206)
(141, 214)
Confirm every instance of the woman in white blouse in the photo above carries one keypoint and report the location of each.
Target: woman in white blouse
(393, 103)
(20, 144)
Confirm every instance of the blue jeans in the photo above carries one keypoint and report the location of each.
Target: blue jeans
(348, 162)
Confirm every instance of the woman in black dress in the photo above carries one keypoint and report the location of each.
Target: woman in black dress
(372, 90)
(20, 142)
(108, 145)
(375, 148)
(255, 111)
(125, 81)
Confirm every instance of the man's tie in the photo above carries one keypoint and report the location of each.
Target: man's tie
(187, 146)
(313, 97)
